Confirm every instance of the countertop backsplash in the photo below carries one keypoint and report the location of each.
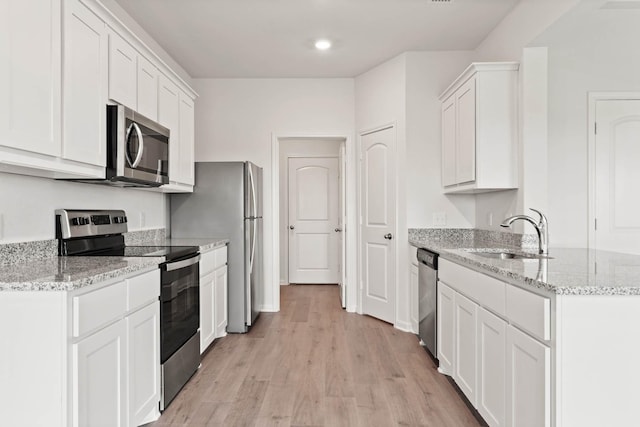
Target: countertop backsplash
(13, 253)
(472, 237)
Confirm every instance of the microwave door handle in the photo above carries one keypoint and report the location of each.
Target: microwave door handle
(126, 142)
(141, 146)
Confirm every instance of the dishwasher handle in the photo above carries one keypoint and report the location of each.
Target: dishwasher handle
(428, 258)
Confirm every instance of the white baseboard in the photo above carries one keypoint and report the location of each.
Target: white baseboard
(403, 326)
(268, 309)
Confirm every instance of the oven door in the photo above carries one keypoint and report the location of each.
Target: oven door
(180, 304)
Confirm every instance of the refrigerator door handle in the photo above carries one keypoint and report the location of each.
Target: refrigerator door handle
(253, 245)
(253, 214)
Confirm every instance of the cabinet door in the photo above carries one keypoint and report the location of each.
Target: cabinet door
(221, 301)
(492, 351)
(122, 71)
(449, 141)
(528, 381)
(100, 378)
(143, 339)
(85, 83)
(169, 117)
(207, 310)
(446, 330)
(466, 132)
(465, 368)
(187, 124)
(147, 89)
(30, 75)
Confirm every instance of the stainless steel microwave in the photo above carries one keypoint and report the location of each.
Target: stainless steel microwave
(137, 149)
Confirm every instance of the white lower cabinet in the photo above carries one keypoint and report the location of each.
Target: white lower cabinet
(213, 296)
(529, 381)
(100, 378)
(207, 310)
(221, 286)
(413, 288)
(465, 371)
(446, 331)
(503, 372)
(143, 337)
(492, 351)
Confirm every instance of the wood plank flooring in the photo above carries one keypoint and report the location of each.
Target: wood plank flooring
(313, 364)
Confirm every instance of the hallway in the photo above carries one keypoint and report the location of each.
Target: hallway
(313, 364)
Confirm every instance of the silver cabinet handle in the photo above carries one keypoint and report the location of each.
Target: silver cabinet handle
(135, 127)
(291, 227)
(177, 265)
(337, 230)
(388, 236)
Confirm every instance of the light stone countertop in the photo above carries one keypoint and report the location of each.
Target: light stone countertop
(205, 244)
(70, 273)
(568, 271)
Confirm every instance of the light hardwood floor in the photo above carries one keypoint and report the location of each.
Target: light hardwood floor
(313, 364)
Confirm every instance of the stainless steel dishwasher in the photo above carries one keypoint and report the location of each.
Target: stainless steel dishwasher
(427, 299)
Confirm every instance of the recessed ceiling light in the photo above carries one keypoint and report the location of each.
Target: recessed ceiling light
(323, 44)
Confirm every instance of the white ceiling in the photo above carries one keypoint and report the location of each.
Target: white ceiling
(274, 38)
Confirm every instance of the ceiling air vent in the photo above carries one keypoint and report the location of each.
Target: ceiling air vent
(441, 1)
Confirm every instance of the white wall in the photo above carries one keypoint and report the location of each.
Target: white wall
(236, 119)
(294, 147)
(28, 205)
(428, 74)
(589, 50)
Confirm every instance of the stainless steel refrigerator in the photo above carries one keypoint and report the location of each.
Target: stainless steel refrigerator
(227, 202)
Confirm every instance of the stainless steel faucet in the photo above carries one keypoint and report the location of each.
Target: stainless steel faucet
(540, 226)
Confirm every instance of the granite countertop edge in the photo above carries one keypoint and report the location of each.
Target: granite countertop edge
(475, 263)
(83, 272)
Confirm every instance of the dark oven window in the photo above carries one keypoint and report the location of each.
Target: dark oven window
(155, 154)
(180, 312)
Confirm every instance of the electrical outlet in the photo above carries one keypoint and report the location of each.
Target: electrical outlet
(490, 219)
(143, 219)
(1, 226)
(439, 219)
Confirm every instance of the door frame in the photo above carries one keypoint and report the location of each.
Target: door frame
(593, 98)
(350, 228)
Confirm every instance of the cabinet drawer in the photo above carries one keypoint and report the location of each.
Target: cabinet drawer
(97, 308)
(207, 262)
(143, 289)
(529, 311)
(485, 290)
(221, 256)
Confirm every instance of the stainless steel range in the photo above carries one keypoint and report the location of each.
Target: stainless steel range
(100, 233)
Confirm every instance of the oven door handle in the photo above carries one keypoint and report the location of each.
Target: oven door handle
(172, 266)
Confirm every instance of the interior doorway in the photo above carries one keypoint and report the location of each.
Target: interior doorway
(312, 211)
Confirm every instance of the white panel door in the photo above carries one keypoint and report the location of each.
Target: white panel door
(528, 381)
(378, 213)
(465, 367)
(30, 75)
(314, 251)
(466, 132)
(617, 156)
(446, 329)
(122, 71)
(492, 352)
(143, 338)
(85, 85)
(100, 378)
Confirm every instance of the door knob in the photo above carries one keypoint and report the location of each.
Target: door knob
(291, 227)
(337, 230)
(388, 236)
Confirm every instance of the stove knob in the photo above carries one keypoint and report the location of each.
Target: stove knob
(85, 221)
(116, 220)
(124, 219)
(75, 221)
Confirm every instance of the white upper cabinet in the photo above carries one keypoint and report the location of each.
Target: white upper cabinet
(187, 130)
(147, 89)
(122, 71)
(85, 85)
(479, 129)
(176, 112)
(30, 75)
